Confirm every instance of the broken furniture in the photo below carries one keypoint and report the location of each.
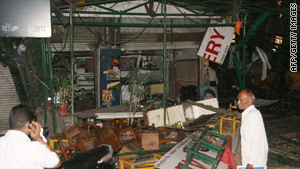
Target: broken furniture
(113, 112)
(208, 140)
(56, 147)
(65, 149)
(76, 141)
(117, 137)
(179, 113)
(141, 164)
(156, 89)
(126, 135)
(75, 133)
(150, 140)
(108, 136)
(130, 148)
(225, 125)
(116, 123)
(165, 135)
(69, 150)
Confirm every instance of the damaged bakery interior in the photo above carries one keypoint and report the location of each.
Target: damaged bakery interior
(153, 84)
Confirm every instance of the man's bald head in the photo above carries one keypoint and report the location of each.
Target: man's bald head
(246, 98)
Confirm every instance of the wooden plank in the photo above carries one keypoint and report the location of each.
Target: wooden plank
(126, 135)
(73, 132)
(156, 89)
(125, 149)
(150, 141)
(108, 136)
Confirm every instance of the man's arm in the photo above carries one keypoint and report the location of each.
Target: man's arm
(35, 135)
(40, 139)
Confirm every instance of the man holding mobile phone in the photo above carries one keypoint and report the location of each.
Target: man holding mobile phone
(17, 150)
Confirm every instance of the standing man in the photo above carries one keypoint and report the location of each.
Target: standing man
(16, 148)
(254, 144)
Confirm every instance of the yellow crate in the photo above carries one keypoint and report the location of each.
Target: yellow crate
(226, 127)
(146, 164)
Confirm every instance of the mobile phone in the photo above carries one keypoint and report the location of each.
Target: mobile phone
(29, 124)
(33, 119)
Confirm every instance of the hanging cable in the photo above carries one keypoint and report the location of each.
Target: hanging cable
(118, 43)
(189, 18)
(65, 41)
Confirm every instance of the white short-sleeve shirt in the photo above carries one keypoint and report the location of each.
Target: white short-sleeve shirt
(17, 151)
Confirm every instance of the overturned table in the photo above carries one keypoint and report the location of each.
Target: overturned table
(113, 112)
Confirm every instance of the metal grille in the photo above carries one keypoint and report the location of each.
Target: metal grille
(8, 97)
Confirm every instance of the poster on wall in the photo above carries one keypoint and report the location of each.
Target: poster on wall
(107, 96)
(113, 74)
(110, 74)
(216, 43)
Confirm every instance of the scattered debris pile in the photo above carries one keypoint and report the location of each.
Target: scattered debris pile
(193, 128)
(199, 135)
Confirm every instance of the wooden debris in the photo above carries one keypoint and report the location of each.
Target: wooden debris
(150, 140)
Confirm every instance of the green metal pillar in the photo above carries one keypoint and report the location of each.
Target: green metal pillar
(44, 69)
(245, 39)
(72, 62)
(165, 62)
(244, 57)
(51, 89)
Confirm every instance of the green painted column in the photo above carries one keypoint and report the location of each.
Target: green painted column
(244, 58)
(165, 62)
(44, 69)
(72, 62)
(51, 88)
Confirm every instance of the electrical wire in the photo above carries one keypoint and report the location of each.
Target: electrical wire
(191, 18)
(65, 41)
(184, 14)
(118, 43)
(242, 15)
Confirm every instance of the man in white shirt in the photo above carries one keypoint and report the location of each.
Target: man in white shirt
(17, 151)
(254, 144)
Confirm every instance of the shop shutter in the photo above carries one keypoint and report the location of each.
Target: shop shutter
(8, 97)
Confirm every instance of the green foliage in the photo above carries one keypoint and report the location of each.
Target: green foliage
(64, 87)
(23, 57)
(138, 87)
(140, 81)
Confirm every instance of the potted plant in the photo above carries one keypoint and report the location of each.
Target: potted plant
(138, 88)
(64, 93)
